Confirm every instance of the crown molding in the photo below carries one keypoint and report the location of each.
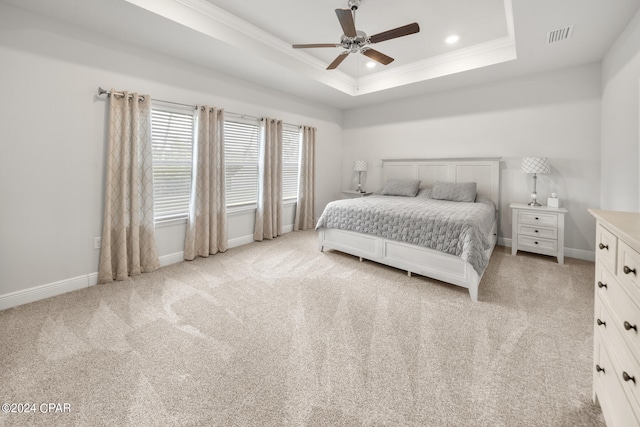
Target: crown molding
(208, 19)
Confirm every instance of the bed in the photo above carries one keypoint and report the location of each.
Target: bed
(433, 257)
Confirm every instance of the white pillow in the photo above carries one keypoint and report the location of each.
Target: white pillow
(454, 191)
(401, 187)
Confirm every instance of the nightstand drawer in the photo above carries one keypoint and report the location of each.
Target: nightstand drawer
(533, 244)
(539, 232)
(538, 229)
(540, 219)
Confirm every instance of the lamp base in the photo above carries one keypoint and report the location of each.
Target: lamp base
(534, 196)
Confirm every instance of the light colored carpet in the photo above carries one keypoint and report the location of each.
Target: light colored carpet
(278, 333)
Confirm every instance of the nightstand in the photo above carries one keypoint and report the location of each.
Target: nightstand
(354, 193)
(538, 229)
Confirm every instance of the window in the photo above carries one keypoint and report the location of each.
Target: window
(241, 162)
(172, 145)
(290, 161)
(172, 134)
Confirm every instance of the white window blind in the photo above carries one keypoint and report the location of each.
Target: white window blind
(290, 161)
(172, 144)
(241, 162)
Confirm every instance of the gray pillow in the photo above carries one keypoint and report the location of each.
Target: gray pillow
(454, 191)
(401, 187)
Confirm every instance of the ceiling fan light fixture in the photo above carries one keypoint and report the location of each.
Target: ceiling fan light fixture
(371, 64)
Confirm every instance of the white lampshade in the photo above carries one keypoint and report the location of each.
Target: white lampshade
(536, 165)
(360, 166)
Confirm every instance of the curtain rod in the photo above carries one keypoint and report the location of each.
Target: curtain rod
(102, 91)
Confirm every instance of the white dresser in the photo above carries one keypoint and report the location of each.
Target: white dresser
(538, 229)
(616, 356)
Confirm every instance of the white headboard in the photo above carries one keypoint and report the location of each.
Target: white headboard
(485, 172)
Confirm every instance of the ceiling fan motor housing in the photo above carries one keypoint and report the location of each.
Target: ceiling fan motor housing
(354, 4)
(354, 44)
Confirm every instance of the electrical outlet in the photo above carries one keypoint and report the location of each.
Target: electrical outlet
(97, 242)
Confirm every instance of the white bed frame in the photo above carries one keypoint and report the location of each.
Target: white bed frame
(417, 259)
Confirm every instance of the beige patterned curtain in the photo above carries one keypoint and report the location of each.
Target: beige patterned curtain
(128, 240)
(305, 208)
(269, 211)
(207, 223)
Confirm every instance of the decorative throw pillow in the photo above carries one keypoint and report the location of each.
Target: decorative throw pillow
(454, 191)
(401, 187)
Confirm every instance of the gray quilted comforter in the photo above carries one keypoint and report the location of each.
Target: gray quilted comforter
(456, 228)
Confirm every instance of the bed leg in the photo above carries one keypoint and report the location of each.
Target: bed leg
(409, 273)
(473, 292)
(360, 259)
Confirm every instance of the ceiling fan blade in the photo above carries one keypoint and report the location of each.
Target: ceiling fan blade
(378, 56)
(308, 46)
(395, 33)
(346, 22)
(338, 60)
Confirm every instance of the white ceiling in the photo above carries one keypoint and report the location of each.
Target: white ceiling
(295, 21)
(251, 39)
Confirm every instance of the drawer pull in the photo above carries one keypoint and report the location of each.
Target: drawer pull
(599, 369)
(535, 243)
(602, 285)
(628, 377)
(601, 323)
(628, 326)
(628, 270)
(535, 231)
(601, 246)
(537, 218)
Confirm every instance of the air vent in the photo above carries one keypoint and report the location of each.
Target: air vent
(559, 35)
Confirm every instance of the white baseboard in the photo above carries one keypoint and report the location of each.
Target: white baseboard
(239, 241)
(580, 254)
(48, 290)
(568, 252)
(171, 259)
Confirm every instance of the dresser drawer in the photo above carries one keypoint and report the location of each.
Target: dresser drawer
(606, 247)
(617, 409)
(539, 232)
(625, 315)
(617, 295)
(628, 266)
(539, 219)
(625, 366)
(532, 244)
(616, 379)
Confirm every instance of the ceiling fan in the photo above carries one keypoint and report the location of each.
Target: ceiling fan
(354, 41)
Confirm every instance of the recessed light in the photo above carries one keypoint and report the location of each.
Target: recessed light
(371, 64)
(452, 39)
